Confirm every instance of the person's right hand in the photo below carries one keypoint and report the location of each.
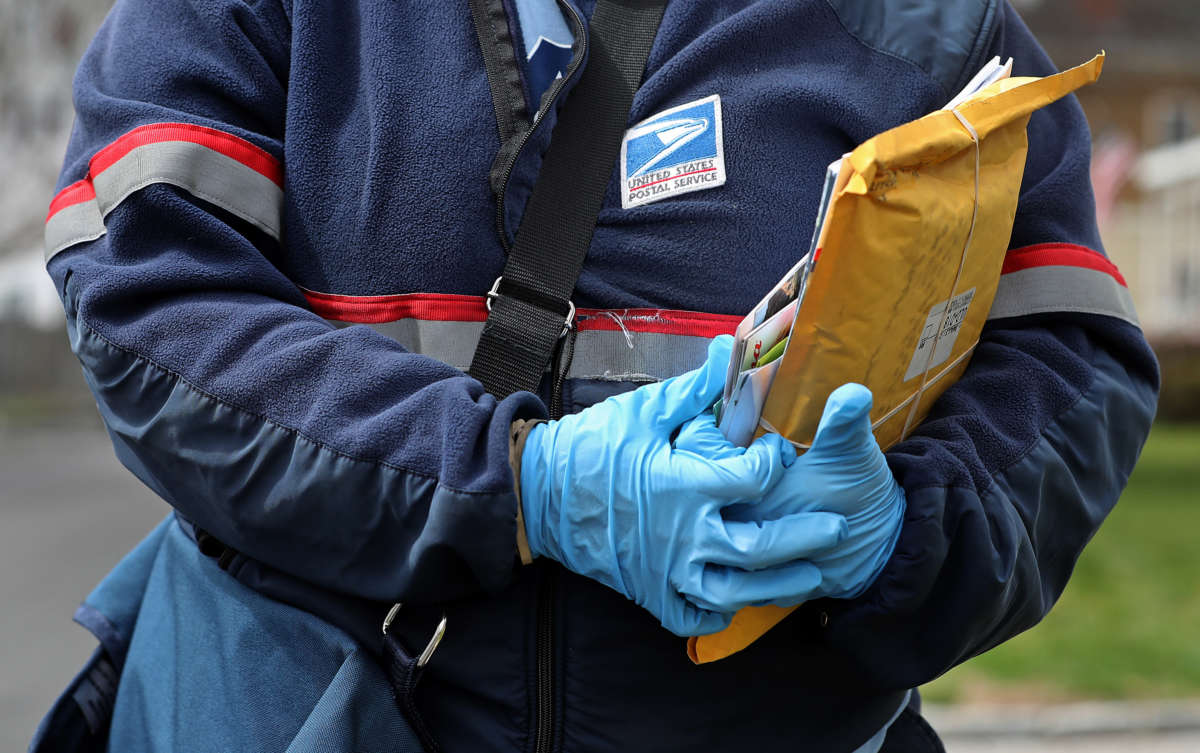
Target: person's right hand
(605, 493)
(844, 472)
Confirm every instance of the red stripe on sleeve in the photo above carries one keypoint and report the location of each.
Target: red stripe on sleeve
(1059, 255)
(225, 143)
(377, 309)
(658, 321)
(76, 193)
(446, 307)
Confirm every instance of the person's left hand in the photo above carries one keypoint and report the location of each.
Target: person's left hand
(604, 493)
(844, 472)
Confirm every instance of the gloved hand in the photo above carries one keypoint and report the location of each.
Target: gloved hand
(844, 472)
(605, 493)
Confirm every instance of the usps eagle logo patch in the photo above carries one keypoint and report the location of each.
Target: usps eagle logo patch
(674, 152)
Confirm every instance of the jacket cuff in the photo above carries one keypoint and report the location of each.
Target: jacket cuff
(517, 435)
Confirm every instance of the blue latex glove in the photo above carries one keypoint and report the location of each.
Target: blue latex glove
(844, 472)
(605, 493)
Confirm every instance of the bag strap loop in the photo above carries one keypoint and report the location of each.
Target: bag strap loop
(532, 297)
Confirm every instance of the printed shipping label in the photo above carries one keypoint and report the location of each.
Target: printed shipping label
(933, 349)
(674, 152)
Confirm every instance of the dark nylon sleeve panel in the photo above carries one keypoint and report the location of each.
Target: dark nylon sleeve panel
(331, 454)
(941, 38)
(1020, 461)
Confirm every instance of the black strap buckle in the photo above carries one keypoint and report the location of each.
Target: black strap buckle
(404, 672)
(434, 641)
(503, 287)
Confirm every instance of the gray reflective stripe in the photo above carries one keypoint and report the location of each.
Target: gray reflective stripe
(73, 224)
(611, 355)
(451, 343)
(636, 356)
(203, 172)
(1038, 290)
(626, 355)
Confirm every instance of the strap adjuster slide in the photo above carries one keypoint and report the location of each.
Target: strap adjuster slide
(534, 298)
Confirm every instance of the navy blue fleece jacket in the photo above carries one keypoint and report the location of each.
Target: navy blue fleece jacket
(336, 456)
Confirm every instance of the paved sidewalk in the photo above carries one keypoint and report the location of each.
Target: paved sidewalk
(68, 512)
(1156, 743)
(1109, 727)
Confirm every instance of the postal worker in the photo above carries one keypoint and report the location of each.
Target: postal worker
(274, 230)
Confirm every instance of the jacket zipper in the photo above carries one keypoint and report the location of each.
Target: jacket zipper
(504, 102)
(555, 89)
(544, 710)
(544, 640)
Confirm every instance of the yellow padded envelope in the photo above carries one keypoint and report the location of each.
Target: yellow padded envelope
(909, 262)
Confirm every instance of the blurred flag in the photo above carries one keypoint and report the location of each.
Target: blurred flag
(1113, 158)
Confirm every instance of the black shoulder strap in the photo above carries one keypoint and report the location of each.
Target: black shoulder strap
(530, 304)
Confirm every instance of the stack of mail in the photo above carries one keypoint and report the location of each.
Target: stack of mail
(761, 339)
(897, 281)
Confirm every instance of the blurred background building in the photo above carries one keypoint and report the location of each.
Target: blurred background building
(40, 45)
(1145, 118)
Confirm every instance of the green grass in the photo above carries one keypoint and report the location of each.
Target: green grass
(1128, 625)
